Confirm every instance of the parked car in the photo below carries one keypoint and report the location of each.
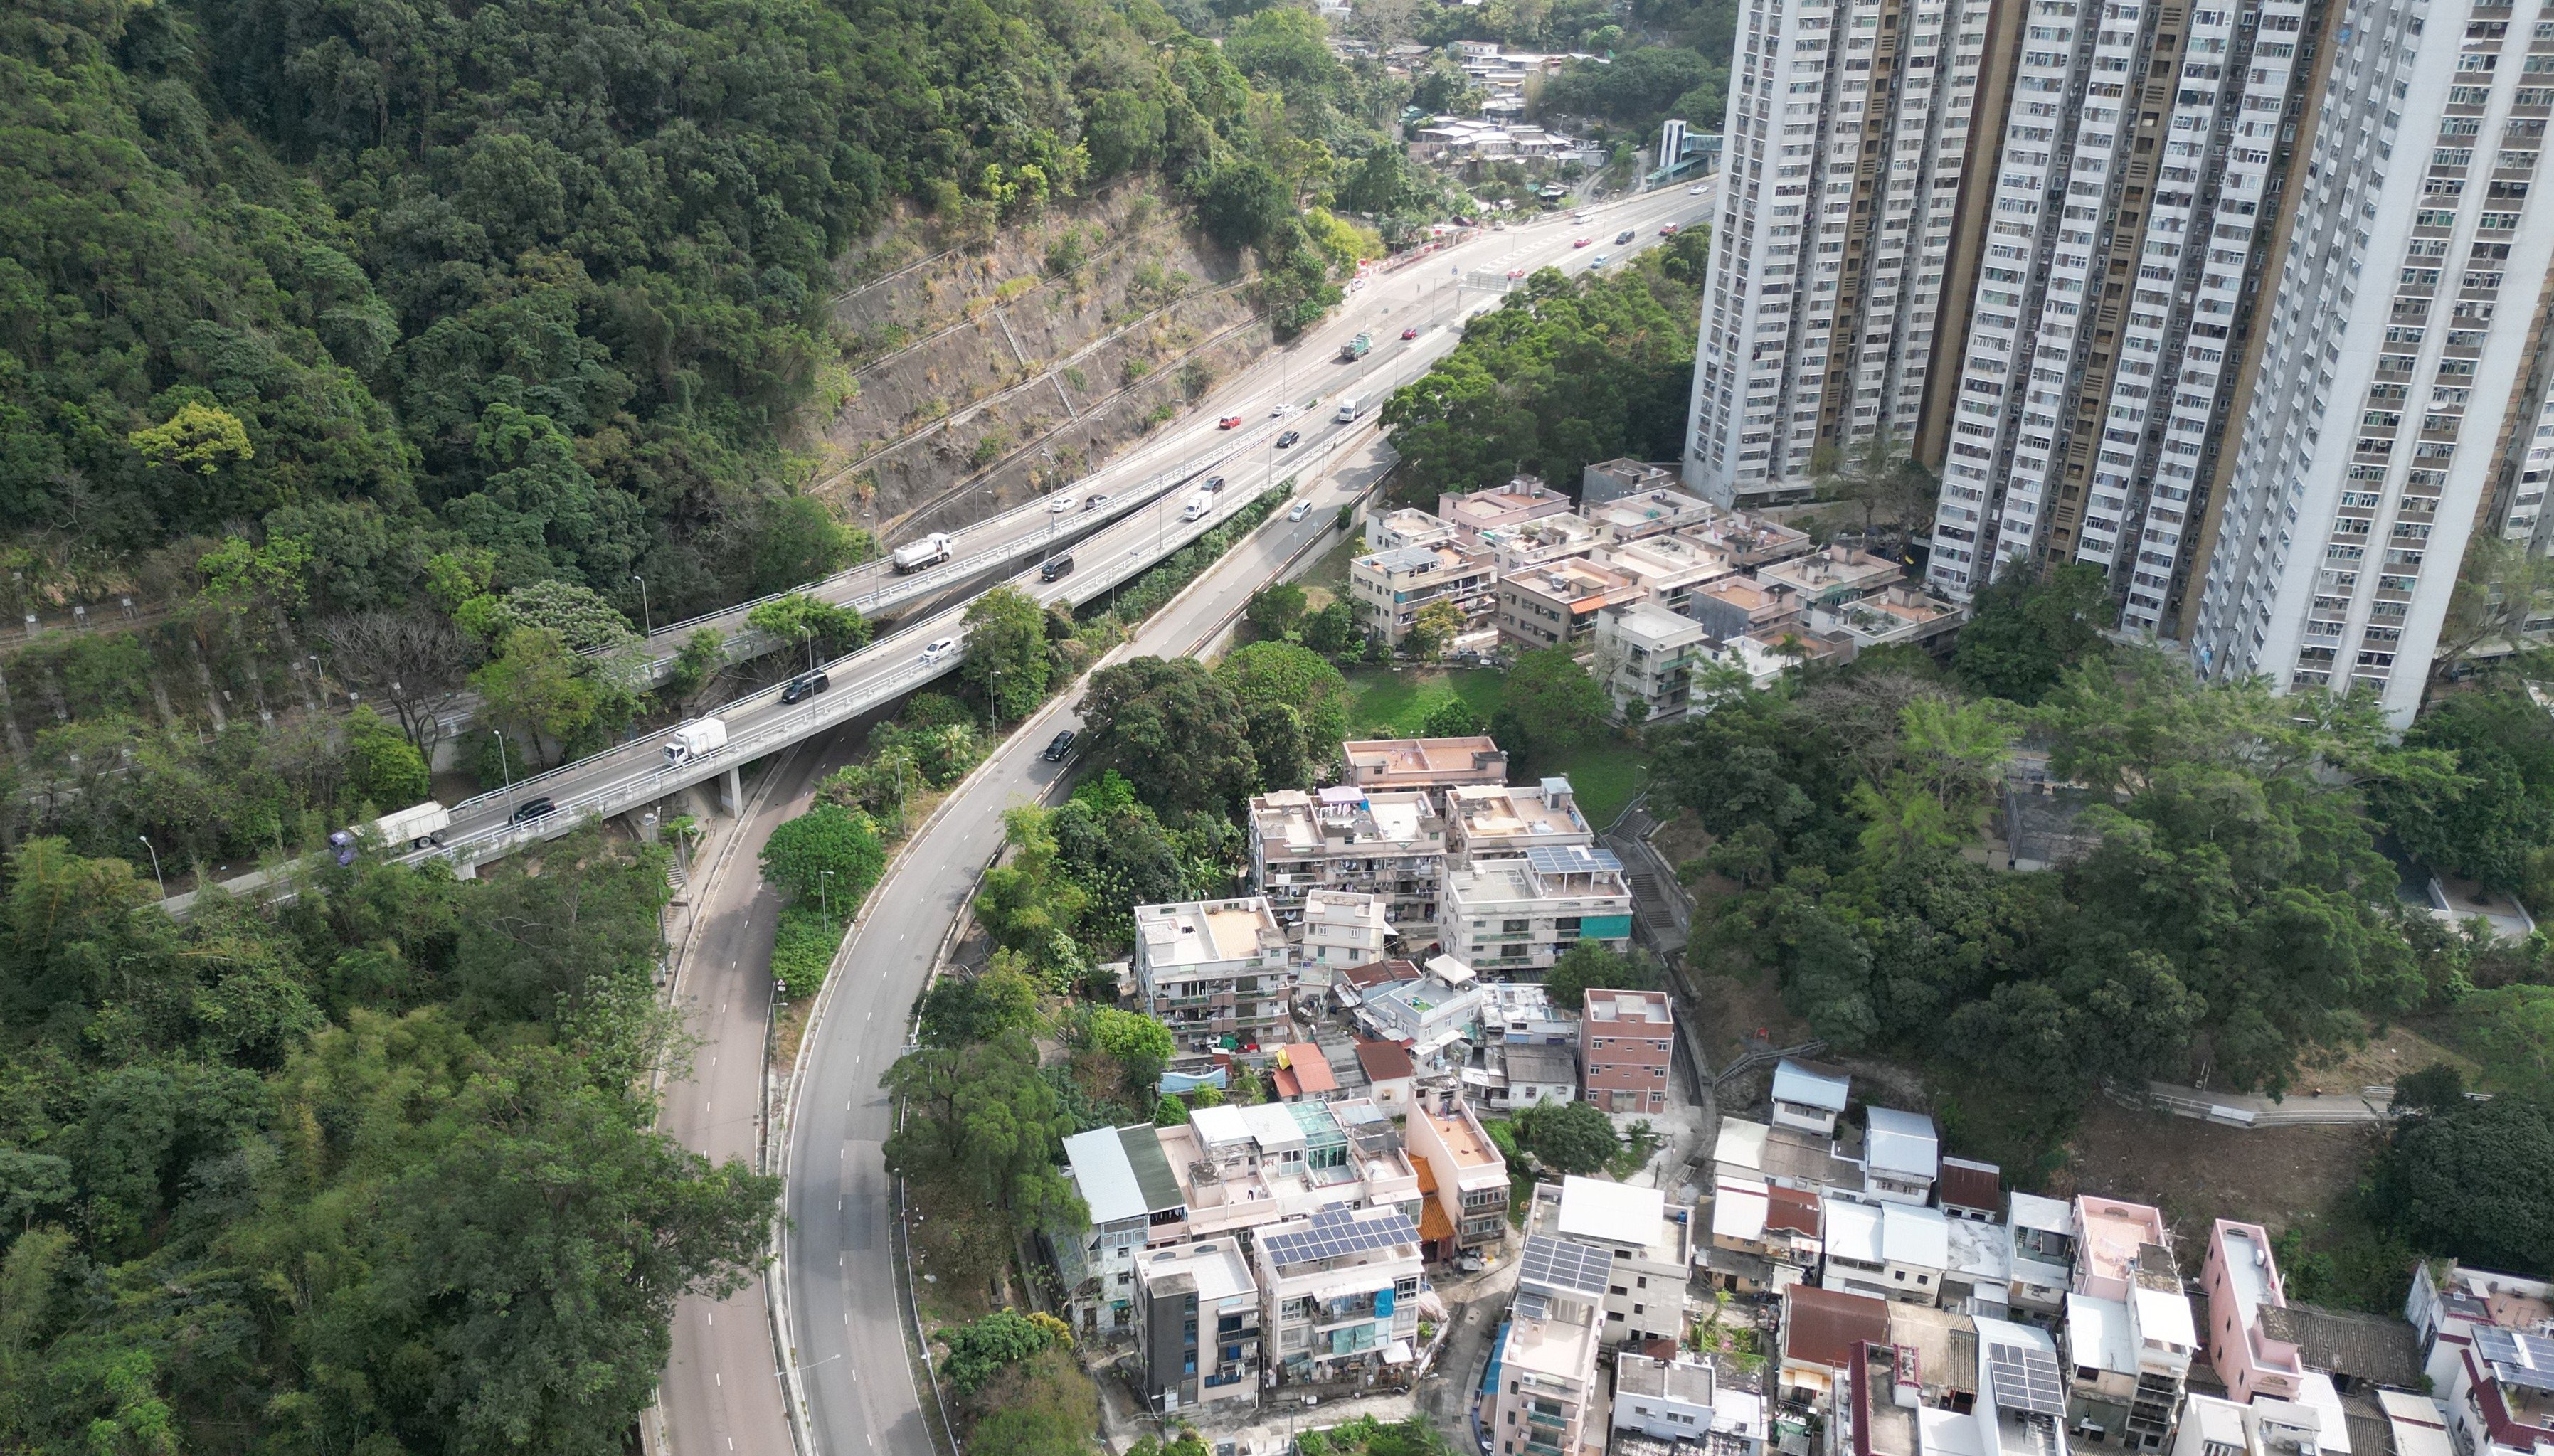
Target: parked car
(533, 809)
(1060, 747)
(1229, 422)
(1410, 333)
(1580, 242)
(1302, 509)
(1287, 440)
(932, 655)
(1625, 235)
(1096, 501)
(1059, 506)
(1056, 568)
(806, 686)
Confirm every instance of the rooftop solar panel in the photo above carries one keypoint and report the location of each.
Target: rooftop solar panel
(1571, 859)
(2518, 1358)
(2025, 1380)
(1563, 1264)
(1335, 1232)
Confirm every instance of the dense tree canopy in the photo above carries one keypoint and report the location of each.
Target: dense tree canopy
(1564, 372)
(372, 1173)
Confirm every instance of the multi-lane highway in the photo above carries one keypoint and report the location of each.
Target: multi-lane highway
(845, 1363)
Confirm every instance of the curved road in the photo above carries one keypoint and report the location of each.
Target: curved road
(846, 1337)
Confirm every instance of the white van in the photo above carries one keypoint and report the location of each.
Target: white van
(1350, 409)
(1198, 504)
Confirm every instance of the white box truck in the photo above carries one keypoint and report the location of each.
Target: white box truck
(931, 550)
(1198, 504)
(413, 828)
(693, 739)
(1349, 407)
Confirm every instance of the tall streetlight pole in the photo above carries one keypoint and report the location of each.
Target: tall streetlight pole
(824, 903)
(504, 771)
(154, 865)
(647, 613)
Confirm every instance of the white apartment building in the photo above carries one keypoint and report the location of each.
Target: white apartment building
(2396, 361)
(1385, 842)
(1428, 1015)
(2128, 224)
(1238, 1169)
(1520, 915)
(1339, 1295)
(1682, 1401)
(1342, 927)
(1470, 1204)
(1548, 1370)
(1646, 658)
(1211, 969)
(1504, 821)
(1847, 126)
(1647, 1246)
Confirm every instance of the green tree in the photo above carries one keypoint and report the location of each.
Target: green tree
(1570, 1136)
(1589, 964)
(1454, 718)
(1273, 610)
(1281, 674)
(2494, 819)
(2024, 632)
(1169, 1111)
(1432, 631)
(1006, 660)
(2477, 1178)
(1332, 629)
(539, 689)
(1139, 1044)
(1559, 706)
(819, 627)
(829, 854)
(382, 768)
(982, 1125)
(1178, 733)
(198, 437)
(962, 1010)
(980, 1349)
(1243, 203)
(701, 659)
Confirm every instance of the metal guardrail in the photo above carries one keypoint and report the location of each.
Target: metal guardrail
(647, 781)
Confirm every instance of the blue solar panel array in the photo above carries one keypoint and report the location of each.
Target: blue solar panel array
(2517, 1357)
(1571, 859)
(1338, 1231)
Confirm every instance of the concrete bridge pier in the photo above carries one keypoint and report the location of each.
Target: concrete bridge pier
(731, 791)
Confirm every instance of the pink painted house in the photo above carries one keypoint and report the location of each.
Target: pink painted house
(2243, 1280)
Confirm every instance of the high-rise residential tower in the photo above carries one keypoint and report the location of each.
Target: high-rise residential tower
(1847, 132)
(2401, 402)
(2129, 221)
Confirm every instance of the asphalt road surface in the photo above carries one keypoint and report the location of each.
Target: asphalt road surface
(846, 1333)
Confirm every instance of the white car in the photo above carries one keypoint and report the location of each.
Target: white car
(1302, 507)
(1596, 262)
(1059, 506)
(1694, 192)
(932, 655)
(1277, 413)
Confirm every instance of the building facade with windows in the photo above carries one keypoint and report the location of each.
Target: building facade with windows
(1848, 144)
(1216, 969)
(1514, 916)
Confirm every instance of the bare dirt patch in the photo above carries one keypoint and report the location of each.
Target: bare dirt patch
(2196, 1171)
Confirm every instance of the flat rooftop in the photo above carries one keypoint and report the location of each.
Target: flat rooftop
(1474, 759)
(1216, 1264)
(1463, 1141)
(1201, 931)
(1499, 812)
(1649, 1008)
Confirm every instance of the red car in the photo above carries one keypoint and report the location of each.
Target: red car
(1229, 422)
(1515, 274)
(1668, 230)
(1582, 242)
(1410, 333)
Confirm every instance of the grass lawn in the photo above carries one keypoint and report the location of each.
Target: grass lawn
(1393, 703)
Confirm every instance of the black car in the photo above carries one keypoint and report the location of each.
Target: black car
(1063, 744)
(1060, 567)
(1212, 483)
(1287, 440)
(1626, 235)
(533, 809)
(807, 686)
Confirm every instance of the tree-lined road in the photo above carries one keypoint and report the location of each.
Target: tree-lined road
(847, 1339)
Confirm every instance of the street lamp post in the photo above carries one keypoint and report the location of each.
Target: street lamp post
(154, 865)
(810, 634)
(824, 902)
(504, 771)
(647, 613)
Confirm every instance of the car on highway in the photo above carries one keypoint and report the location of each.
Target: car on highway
(1625, 235)
(1411, 333)
(1056, 568)
(804, 686)
(932, 655)
(1667, 229)
(1059, 747)
(533, 809)
(1059, 506)
(1515, 274)
(1277, 412)
(1580, 242)
(1211, 482)
(1302, 507)
(1694, 192)
(1096, 501)
(1596, 262)
(1229, 422)
(1287, 440)
(1579, 215)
